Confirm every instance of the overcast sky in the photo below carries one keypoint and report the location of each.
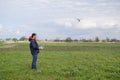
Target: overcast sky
(58, 18)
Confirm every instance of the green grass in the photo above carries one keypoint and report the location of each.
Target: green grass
(1, 43)
(62, 61)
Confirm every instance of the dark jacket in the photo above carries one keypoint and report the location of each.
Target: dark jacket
(34, 47)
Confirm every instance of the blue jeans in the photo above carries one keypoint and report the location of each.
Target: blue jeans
(34, 61)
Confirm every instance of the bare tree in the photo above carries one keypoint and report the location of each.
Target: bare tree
(23, 38)
(97, 39)
(15, 39)
(57, 40)
(68, 39)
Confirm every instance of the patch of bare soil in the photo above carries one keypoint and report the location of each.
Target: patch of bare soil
(8, 46)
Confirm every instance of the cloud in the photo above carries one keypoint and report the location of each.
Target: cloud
(18, 32)
(67, 22)
(53, 17)
(88, 23)
(1, 27)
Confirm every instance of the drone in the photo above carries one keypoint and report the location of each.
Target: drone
(78, 19)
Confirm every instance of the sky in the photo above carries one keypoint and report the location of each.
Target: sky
(52, 19)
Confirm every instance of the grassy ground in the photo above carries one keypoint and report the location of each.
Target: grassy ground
(1, 43)
(62, 61)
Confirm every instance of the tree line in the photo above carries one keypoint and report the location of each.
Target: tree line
(97, 39)
(68, 39)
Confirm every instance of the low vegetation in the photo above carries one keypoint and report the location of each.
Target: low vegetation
(62, 61)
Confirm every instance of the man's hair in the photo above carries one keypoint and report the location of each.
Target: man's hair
(33, 34)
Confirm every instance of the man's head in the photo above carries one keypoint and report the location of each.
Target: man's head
(34, 35)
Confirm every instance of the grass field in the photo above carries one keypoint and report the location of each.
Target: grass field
(62, 61)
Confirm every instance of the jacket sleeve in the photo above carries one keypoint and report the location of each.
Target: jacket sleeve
(34, 45)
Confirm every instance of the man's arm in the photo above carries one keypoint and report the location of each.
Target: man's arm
(34, 45)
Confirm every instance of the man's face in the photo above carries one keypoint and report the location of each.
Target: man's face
(34, 37)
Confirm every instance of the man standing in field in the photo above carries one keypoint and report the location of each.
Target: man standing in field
(34, 48)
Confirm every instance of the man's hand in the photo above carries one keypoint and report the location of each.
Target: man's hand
(41, 48)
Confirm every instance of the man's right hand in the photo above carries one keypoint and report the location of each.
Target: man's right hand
(41, 48)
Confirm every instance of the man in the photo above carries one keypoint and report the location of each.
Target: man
(34, 48)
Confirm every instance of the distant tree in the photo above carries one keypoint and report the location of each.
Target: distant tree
(107, 39)
(8, 39)
(83, 40)
(90, 40)
(103, 40)
(114, 40)
(23, 38)
(68, 39)
(46, 39)
(15, 39)
(86, 40)
(57, 40)
(75, 40)
(97, 39)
